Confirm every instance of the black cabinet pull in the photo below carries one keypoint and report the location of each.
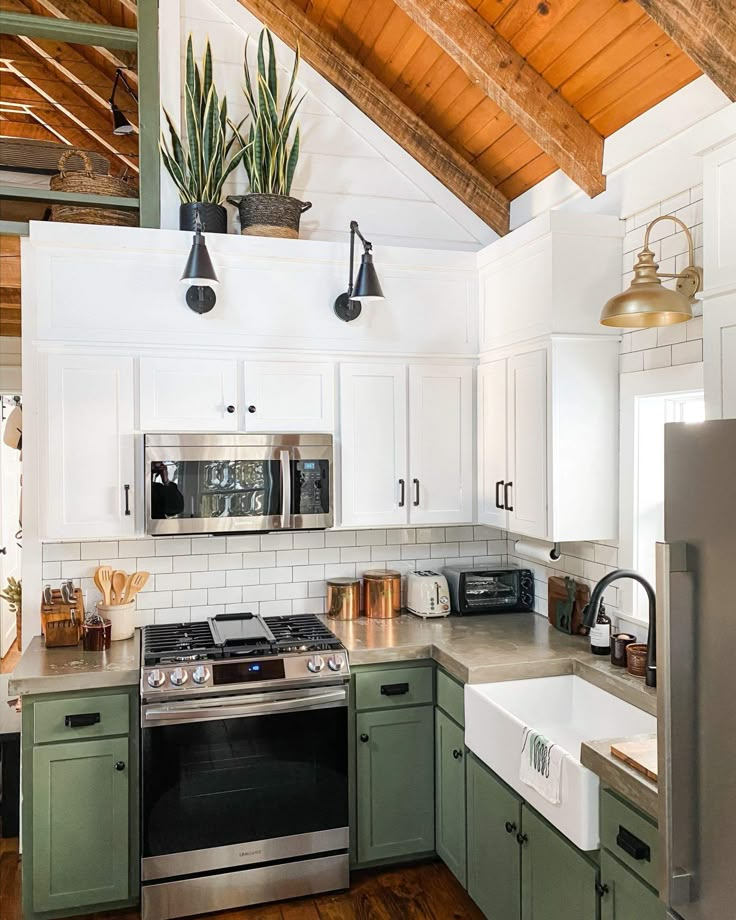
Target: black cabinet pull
(510, 827)
(631, 844)
(126, 487)
(364, 738)
(394, 689)
(82, 719)
(251, 409)
(416, 492)
(120, 766)
(457, 754)
(521, 839)
(231, 409)
(506, 504)
(499, 503)
(600, 889)
(402, 493)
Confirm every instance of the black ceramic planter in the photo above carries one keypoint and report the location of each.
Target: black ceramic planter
(213, 217)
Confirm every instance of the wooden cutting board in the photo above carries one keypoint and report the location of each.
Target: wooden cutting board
(639, 755)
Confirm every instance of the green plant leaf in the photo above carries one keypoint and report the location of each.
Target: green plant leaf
(207, 77)
(176, 145)
(293, 158)
(273, 83)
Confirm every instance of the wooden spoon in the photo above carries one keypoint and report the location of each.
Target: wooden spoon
(103, 580)
(119, 581)
(137, 581)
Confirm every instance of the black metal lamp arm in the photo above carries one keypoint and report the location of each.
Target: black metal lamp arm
(120, 76)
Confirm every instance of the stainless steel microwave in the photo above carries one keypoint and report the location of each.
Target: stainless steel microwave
(490, 588)
(213, 483)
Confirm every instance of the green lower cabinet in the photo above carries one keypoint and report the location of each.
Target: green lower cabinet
(625, 897)
(494, 855)
(450, 793)
(80, 824)
(395, 783)
(558, 882)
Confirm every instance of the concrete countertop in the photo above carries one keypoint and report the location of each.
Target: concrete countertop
(614, 773)
(482, 649)
(64, 670)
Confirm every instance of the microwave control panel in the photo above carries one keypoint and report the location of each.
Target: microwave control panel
(312, 487)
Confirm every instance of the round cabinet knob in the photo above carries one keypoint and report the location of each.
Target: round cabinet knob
(336, 662)
(510, 828)
(251, 409)
(178, 677)
(201, 674)
(457, 754)
(316, 664)
(231, 409)
(364, 738)
(521, 839)
(156, 678)
(120, 766)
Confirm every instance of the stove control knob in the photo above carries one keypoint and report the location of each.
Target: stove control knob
(156, 678)
(201, 674)
(179, 677)
(316, 664)
(336, 662)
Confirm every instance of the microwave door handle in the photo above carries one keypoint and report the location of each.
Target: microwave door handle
(285, 460)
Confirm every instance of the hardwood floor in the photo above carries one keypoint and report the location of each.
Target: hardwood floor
(425, 892)
(8, 663)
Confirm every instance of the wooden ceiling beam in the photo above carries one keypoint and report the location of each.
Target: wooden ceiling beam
(383, 107)
(706, 31)
(506, 78)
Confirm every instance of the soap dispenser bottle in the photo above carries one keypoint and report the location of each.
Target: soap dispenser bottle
(600, 633)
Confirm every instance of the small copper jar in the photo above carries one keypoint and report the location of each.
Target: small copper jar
(382, 594)
(343, 598)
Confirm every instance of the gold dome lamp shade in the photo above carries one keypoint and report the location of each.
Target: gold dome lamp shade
(647, 302)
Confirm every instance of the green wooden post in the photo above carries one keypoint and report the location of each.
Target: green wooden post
(68, 30)
(149, 119)
(450, 793)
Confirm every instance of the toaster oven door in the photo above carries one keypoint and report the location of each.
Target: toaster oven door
(490, 592)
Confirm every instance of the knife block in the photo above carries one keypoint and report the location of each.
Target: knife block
(56, 620)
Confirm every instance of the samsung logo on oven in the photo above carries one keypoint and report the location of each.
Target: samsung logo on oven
(243, 853)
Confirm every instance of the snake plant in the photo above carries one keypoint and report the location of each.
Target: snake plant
(268, 159)
(200, 165)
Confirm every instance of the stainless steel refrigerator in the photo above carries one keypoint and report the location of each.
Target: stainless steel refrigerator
(696, 654)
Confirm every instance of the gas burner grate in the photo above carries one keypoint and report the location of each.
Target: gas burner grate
(168, 641)
(302, 632)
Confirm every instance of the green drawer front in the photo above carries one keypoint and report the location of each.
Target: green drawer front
(451, 697)
(108, 715)
(393, 687)
(619, 820)
(626, 897)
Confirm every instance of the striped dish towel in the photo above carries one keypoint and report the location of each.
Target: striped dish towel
(541, 765)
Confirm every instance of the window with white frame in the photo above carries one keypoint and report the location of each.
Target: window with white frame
(649, 400)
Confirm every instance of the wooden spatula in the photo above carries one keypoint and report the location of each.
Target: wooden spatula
(136, 583)
(119, 581)
(103, 580)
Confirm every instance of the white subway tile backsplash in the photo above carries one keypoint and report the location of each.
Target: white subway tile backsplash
(330, 554)
(671, 335)
(607, 555)
(277, 541)
(240, 577)
(657, 357)
(417, 551)
(355, 554)
(459, 534)
(293, 557)
(688, 352)
(250, 543)
(231, 595)
(430, 535)
(172, 615)
(81, 569)
(644, 338)
(209, 545)
(314, 540)
(275, 576)
(130, 549)
(209, 579)
(173, 546)
(60, 552)
(275, 608)
(259, 560)
(225, 561)
(194, 596)
(371, 538)
(108, 549)
(385, 553)
(341, 570)
(401, 535)
(308, 605)
(191, 563)
(488, 533)
(474, 548)
(340, 538)
(444, 550)
(308, 572)
(51, 570)
(259, 593)
(150, 600)
(629, 363)
(693, 328)
(154, 564)
(173, 582)
(317, 588)
(292, 590)
(207, 610)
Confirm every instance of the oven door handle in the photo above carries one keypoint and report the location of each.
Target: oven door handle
(260, 706)
(285, 460)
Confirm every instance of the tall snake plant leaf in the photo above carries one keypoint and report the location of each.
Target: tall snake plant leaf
(273, 83)
(293, 158)
(207, 71)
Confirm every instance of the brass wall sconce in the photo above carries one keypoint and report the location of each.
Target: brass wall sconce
(647, 302)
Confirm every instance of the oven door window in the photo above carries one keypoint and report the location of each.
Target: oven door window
(491, 590)
(214, 488)
(210, 784)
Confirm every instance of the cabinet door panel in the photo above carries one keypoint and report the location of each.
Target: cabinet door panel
(185, 394)
(80, 824)
(395, 782)
(557, 881)
(627, 897)
(527, 455)
(89, 458)
(289, 396)
(492, 443)
(450, 794)
(494, 856)
(373, 431)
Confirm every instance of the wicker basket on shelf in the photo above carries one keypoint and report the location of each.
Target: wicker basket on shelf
(91, 183)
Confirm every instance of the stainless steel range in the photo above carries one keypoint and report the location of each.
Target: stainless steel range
(244, 763)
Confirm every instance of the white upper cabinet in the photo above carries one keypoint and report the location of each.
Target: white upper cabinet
(552, 275)
(548, 439)
(88, 488)
(440, 444)
(188, 394)
(289, 396)
(373, 430)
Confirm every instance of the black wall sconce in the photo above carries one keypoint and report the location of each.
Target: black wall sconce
(367, 285)
(199, 272)
(120, 124)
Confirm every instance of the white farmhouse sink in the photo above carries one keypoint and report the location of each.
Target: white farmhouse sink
(568, 710)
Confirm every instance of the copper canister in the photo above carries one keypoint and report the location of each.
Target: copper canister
(382, 594)
(343, 598)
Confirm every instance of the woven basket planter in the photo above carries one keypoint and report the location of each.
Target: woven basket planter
(91, 183)
(269, 215)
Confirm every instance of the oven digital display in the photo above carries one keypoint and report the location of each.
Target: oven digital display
(240, 672)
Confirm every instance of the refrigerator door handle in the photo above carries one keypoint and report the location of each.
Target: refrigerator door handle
(676, 727)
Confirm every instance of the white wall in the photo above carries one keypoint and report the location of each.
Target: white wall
(349, 168)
